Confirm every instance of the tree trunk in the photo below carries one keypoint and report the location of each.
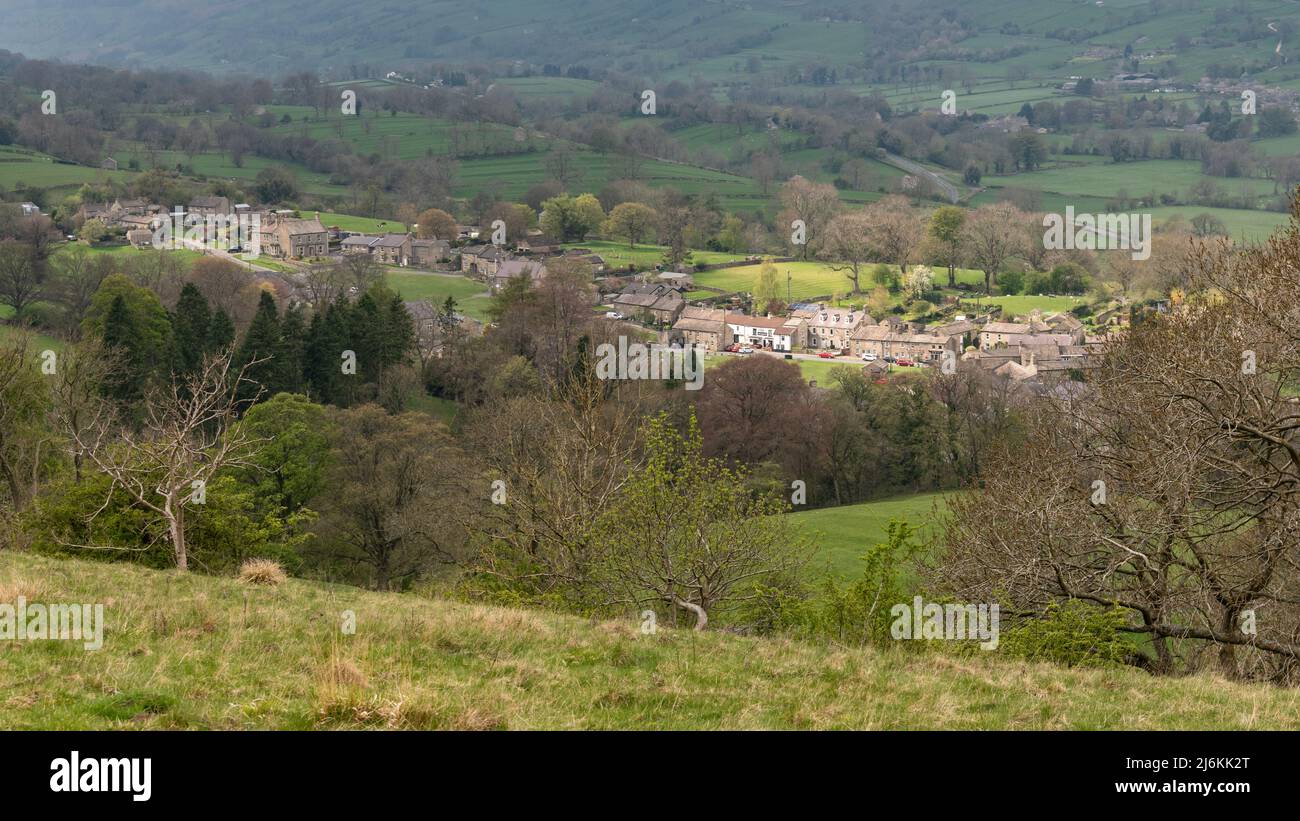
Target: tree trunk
(1228, 652)
(176, 528)
(701, 618)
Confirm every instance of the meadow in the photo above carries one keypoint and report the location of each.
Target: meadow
(187, 651)
(843, 534)
(470, 295)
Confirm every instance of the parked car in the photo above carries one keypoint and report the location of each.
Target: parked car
(889, 359)
(868, 357)
(826, 355)
(746, 349)
(733, 347)
(614, 315)
(906, 363)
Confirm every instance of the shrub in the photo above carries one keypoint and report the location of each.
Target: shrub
(1074, 634)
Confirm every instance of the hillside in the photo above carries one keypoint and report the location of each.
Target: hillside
(202, 652)
(677, 39)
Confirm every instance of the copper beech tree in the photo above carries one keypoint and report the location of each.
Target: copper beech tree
(1168, 483)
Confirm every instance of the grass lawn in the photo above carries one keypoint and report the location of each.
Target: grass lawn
(844, 533)
(125, 252)
(187, 651)
(39, 341)
(359, 225)
(470, 295)
(806, 279)
(1023, 304)
(644, 257)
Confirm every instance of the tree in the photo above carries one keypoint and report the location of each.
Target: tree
(396, 493)
(22, 277)
(186, 436)
(894, 229)
(291, 463)
(751, 410)
(190, 329)
(991, 239)
(26, 441)
(767, 288)
(1027, 150)
(847, 243)
(632, 221)
(590, 215)
(1276, 121)
(434, 223)
(75, 276)
(275, 184)
(562, 166)
(688, 532)
(814, 203)
(571, 218)
(732, 235)
(1163, 491)
(945, 228)
(917, 282)
(257, 350)
(673, 224)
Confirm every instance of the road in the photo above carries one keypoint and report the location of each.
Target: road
(949, 190)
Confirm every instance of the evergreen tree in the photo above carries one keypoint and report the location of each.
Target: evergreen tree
(260, 343)
(190, 328)
(368, 337)
(289, 354)
(221, 331)
(399, 333)
(120, 334)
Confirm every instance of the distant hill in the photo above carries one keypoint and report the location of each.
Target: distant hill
(669, 39)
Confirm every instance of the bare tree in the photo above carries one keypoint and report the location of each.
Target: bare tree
(187, 435)
(895, 231)
(1168, 484)
(847, 244)
(991, 239)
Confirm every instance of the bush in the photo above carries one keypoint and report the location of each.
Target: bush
(1073, 634)
(857, 612)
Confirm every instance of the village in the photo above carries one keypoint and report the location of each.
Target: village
(1038, 348)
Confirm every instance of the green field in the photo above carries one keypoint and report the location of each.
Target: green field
(1022, 304)
(20, 167)
(470, 295)
(844, 533)
(358, 225)
(644, 257)
(1104, 180)
(532, 88)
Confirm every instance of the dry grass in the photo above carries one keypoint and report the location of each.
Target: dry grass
(189, 651)
(262, 571)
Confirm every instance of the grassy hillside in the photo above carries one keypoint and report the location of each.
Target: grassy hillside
(845, 533)
(189, 651)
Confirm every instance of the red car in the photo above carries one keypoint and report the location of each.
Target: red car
(826, 355)
(906, 363)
